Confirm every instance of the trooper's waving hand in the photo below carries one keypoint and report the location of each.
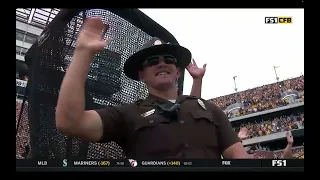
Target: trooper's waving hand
(91, 36)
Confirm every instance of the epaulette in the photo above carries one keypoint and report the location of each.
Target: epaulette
(192, 97)
(203, 103)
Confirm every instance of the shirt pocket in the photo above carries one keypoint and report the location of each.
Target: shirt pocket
(206, 128)
(153, 134)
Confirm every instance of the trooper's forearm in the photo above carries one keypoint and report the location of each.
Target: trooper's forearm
(196, 87)
(71, 101)
(287, 153)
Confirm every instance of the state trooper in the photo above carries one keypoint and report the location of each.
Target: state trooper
(164, 125)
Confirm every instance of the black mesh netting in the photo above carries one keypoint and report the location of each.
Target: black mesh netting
(48, 59)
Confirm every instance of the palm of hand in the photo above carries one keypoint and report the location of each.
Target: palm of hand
(243, 133)
(195, 71)
(91, 35)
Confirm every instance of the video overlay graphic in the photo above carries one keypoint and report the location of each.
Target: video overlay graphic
(131, 163)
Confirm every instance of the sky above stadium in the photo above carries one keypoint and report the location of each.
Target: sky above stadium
(237, 42)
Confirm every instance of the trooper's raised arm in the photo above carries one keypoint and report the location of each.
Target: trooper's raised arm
(71, 117)
(197, 74)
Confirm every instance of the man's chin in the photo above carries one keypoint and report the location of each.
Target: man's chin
(163, 85)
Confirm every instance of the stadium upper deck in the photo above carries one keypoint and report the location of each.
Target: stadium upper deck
(262, 98)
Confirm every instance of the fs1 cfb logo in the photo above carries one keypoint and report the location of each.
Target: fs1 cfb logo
(278, 20)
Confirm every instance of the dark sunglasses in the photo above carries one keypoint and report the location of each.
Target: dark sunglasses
(155, 60)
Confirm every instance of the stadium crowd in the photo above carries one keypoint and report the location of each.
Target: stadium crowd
(298, 153)
(22, 137)
(254, 100)
(263, 97)
(259, 151)
(277, 124)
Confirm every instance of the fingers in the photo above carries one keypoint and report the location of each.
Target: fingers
(104, 30)
(194, 62)
(107, 41)
(189, 66)
(94, 25)
(289, 136)
(204, 66)
(243, 129)
(100, 45)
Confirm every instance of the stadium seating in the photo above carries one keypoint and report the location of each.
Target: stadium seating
(23, 136)
(262, 98)
(278, 124)
(298, 152)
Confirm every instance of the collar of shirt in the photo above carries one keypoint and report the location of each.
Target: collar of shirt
(152, 100)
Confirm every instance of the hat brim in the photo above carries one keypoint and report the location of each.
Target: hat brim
(182, 55)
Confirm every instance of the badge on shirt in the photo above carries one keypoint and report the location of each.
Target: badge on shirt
(157, 42)
(202, 104)
(148, 113)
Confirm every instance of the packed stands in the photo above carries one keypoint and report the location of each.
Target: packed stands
(298, 152)
(23, 136)
(262, 98)
(263, 154)
(274, 125)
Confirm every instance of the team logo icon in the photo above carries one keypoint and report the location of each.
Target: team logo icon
(133, 163)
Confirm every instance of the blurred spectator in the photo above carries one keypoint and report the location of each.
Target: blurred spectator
(278, 124)
(260, 152)
(265, 153)
(298, 152)
(243, 133)
(287, 152)
(261, 98)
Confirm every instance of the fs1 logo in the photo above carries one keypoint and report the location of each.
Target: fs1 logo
(279, 163)
(278, 20)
